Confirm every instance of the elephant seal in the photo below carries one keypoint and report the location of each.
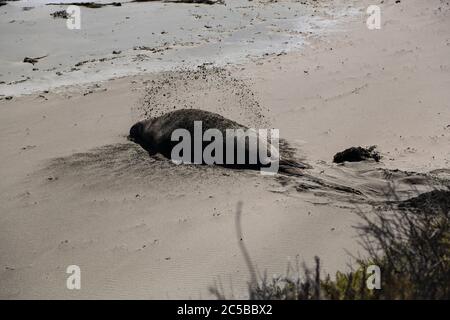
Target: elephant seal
(156, 135)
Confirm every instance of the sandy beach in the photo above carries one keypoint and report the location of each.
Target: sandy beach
(75, 191)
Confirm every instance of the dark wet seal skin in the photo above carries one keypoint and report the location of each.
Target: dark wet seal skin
(154, 135)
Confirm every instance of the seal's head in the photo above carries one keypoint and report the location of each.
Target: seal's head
(136, 132)
(139, 136)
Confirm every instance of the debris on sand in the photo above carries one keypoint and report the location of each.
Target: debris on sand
(91, 5)
(32, 60)
(151, 49)
(356, 154)
(60, 14)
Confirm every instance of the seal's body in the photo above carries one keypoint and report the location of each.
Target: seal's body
(155, 136)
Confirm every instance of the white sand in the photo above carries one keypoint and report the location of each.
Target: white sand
(175, 35)
(143, 228)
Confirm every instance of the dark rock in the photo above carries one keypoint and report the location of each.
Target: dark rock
(429, 202)
(356, 154)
